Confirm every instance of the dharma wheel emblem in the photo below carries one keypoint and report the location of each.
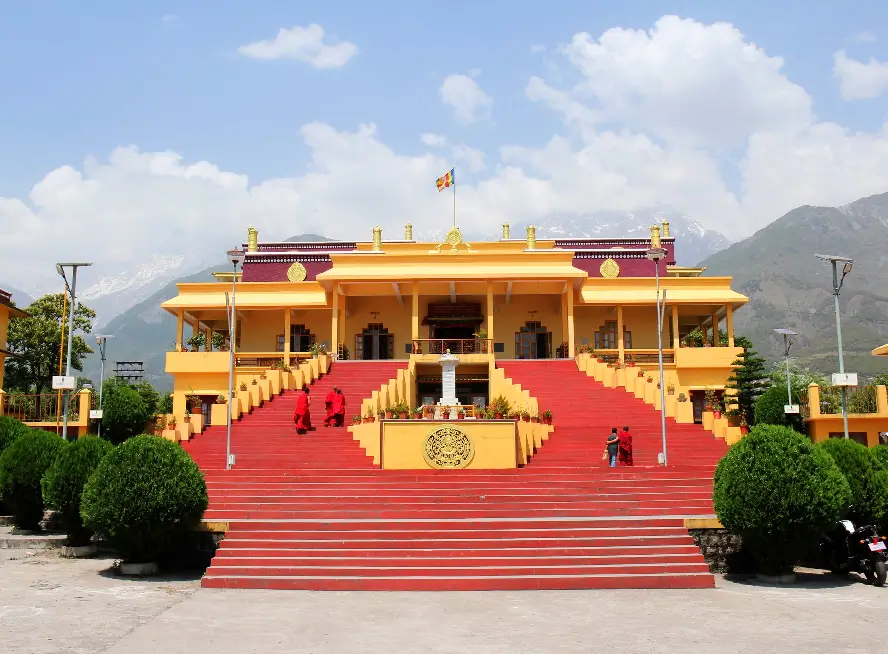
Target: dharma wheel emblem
(610, 268)
(297, 272)
(448, 447)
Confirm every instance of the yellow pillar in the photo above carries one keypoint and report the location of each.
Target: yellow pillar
(621, 345)
(287, 322)
(704, 333)
(490, 312)
(334, 330)
(208, 334)
(570, 321)
(881, 401)
(675, 335)
(729, 324)
(716, 341)
(813, 400)
(414, 313)
(180, 329)
(564, 327)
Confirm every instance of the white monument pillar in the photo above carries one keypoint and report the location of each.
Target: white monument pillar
(448, 379)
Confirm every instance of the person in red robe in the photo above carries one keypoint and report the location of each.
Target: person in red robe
(624, 451)
(328, 405)
(338, 408)
(302, 413)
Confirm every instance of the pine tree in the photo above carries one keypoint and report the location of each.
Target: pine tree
(748, 381)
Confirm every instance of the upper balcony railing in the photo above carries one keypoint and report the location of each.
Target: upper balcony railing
(41, 408)
(453, 345)
(636, 356)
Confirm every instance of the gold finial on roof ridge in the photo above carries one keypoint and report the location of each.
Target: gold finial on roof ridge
(655, 238)
(252, 239)
(377, 239)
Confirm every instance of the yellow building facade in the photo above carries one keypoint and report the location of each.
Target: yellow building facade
(7, 311)
(483, 301)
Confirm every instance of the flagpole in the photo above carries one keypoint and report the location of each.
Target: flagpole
(454, 200)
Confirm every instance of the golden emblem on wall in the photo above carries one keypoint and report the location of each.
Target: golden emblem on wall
(297, 272)
(453, 239)
(448, 448)
(610, 268)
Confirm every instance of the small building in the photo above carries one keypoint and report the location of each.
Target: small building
(7, 311)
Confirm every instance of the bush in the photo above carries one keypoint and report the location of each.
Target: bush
(10, 429)
(777, 491)
(123, 412)
(143, 496)
(64, 481)
(22, 465)
(769, 409)
(866, 477)
(881, 454)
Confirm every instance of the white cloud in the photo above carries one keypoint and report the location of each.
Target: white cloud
(433, 140)
(733, 168)
(858, 80)
(304, 44)
(864, 37)
(466, 97)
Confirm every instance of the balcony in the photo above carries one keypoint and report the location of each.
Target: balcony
(218, 362)
(706, 357)
(457, 346)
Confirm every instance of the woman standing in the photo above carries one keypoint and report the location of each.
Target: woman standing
(302, 414)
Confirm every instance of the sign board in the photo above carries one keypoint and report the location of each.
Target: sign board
(63, 383)
(95, 414)
(844, 379)
(791, 408)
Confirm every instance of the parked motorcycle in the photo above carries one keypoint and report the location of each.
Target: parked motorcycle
(856, 549)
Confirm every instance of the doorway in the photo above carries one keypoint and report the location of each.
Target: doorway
(374, 343)
(533, 341)
(301, 339)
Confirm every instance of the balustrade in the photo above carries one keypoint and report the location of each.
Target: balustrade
(453, 345)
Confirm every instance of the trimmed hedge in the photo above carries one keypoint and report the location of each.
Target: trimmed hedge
(22, 466)
(769, 409)
(866, 476)
(64, 481)
(881, 454)
(777, 491)
(143, 497)
(10, 429)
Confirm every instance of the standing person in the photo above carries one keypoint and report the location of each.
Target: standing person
(338, 408)
(328, 405)
(625, 447)
(302, 414)
(613, 442)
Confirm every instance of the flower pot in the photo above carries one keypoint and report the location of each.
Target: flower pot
(80, 551)
(498, 416)
(196, 410)
(445, 415)
(671, 392)
(641, 373)
(372, 418)
(744, 429)
(388, 415)
(404, 415)
(535, 420)
(139, 569)
(365, 420)
(716, 414)
(460, 416)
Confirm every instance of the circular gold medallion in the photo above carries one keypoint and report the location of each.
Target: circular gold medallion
(454, 237)
(297, 272)
(610, 268)
(448, 448)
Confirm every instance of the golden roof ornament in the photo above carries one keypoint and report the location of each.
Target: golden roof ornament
(408, 232)
(531, 237)
(252, 239)
(377, 239)
(297, 272)
(610, 269)
(506, 232)
(453, 239)
(666, 233)
(655, 238)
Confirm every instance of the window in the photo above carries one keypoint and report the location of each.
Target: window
(606, 337)
(279, 343)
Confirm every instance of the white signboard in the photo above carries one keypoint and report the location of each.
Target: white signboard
(844, 379)
(95, 414)
(791, 408)
(63, 383)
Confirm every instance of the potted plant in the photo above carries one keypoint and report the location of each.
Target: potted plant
(717, 409)
(547, 417)
(356, 419)
(650, 379)
(525, 416)
(535, 419)
(641, 373)
(630, 363)
(217, 342)
(387, 414)
(171, 423)
(744, 428)
(314, 350)
(460, 413)
(243, 386)
(500, 407)
(195, 404)
(670, 388)
(263, 375)
(417, 413)
(197, 341)
(445, 413)
(709, 399)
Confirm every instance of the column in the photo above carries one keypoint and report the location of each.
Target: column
(564, 327)
(287, 322)
(621, 345)
(716, 341)
(704, 332)
(414, 313)
(570, 321)
(490, 312)
(334, 329)
(676, 341)
(729, 323)
(208, 334)
(180, 329)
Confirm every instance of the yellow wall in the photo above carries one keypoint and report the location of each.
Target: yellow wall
(259, 329)
(509, 318)
(395, 317)
(403, 443)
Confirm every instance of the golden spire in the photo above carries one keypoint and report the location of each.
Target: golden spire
(252, 239)
(506, 236)
(408, 232)
(666, 233)
(531, 237)
(377, 239)
(655, 238)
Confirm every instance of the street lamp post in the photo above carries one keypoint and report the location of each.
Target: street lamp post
(656, 253)
(788, 340)
(837, 283)
(236, 257)
(102, 342)
(60, 269)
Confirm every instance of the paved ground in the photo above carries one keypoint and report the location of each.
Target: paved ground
(54, 605)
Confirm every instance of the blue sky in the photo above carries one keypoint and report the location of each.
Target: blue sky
(82, 79)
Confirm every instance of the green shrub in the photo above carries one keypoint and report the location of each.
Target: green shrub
(124, 413)
(777, 491)
(10, 429)
(881, 454)
(22, 465)
(143, 496)
(866, 477)
(64, 481)
(769, 409)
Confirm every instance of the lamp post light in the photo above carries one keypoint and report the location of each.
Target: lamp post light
(788, 340)
(842, 379)
(102, 342)
(235, 257)
(656, 253)
(60, 269)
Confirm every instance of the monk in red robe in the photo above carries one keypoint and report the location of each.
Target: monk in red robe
(328, 405)
(624, 448)
(302, 414)
(338, 408)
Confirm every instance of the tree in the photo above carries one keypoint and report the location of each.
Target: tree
(36, 341)
(695, 338)
(748, 381)
(124, 413)
(769, 409)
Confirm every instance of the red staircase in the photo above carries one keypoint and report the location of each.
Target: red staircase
(313, 512)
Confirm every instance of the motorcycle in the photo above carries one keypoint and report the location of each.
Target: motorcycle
(856, 549)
